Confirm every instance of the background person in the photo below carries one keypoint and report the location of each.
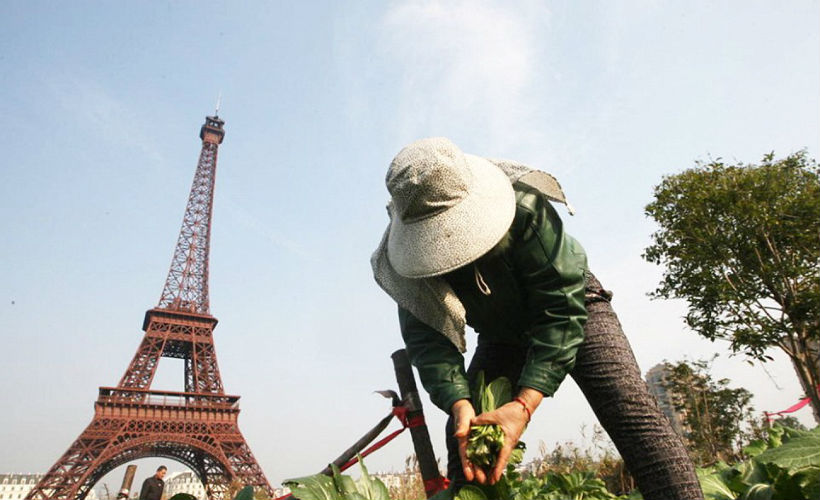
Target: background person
(152, 487)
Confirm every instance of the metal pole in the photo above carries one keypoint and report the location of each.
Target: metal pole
(125, 489)
(359, 446)
(421, 438)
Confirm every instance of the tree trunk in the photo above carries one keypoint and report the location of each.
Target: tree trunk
(805, 363)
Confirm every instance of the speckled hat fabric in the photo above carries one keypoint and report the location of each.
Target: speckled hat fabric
(447, 208)
(432, 300)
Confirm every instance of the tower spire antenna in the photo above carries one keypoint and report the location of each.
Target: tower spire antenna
(186, 288)
(218, 103)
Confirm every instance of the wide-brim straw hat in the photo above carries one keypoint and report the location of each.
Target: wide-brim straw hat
(447, 209)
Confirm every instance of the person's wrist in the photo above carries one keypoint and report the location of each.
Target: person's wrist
(458, 405)
(529, 398)
(524, 407)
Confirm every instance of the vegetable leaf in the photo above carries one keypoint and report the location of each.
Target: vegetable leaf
(338, 487)
(809, 480)
(317, 487)
(797, 452)
(759, 491)
(715, 488)
(498, 393)
(470, 492)
(371, 488)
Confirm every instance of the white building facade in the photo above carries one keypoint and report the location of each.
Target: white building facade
(17, 486)
(183, 482)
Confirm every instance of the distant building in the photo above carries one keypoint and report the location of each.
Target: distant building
(392, 480)
(17, 486)
(655, 379)
(188, 482)
(183, 482)
(280, 492)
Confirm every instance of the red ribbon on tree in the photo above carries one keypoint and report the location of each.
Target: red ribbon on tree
(791, 409)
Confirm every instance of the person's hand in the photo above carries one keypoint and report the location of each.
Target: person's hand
(513, 419)
(463, 414)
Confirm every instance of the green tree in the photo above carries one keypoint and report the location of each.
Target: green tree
(713, 413)
(791, 423)
(741, 244)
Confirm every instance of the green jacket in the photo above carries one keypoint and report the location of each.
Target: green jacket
(535, 280)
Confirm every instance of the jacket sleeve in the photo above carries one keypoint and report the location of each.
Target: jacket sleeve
(440, 364)
(550, 265)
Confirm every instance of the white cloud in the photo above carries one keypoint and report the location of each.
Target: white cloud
(465, 66)
(95, 107)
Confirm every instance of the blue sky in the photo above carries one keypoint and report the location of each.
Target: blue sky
(102, 104)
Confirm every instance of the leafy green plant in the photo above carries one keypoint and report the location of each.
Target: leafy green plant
(245, 493)
(524, 488)
(485, 442)
(595, 453)
(183, 496)
(785, 466)
(338, 487)
(576, 486)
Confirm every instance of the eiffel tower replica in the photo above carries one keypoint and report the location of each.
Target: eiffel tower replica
(197, 427)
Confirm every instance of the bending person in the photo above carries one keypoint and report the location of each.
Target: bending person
(478, 242)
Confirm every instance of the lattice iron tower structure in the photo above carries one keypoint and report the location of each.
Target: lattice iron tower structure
(197, 427)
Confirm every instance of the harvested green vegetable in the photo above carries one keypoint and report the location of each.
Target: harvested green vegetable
(483, 445)
(486, 441)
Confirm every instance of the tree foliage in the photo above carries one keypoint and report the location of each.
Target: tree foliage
(713, 413)
(741, 244)
(790, 422)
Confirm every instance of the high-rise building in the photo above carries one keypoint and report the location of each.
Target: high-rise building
(656, 379)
